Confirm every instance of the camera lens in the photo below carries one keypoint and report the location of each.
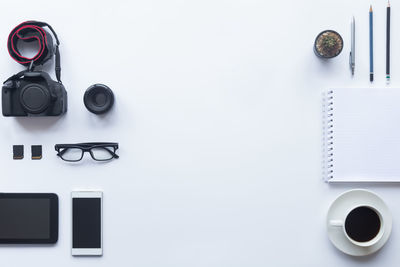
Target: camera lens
(34, 98)
(98, 98)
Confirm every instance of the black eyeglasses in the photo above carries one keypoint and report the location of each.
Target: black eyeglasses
(98, 151)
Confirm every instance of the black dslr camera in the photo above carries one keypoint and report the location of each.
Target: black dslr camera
(30, 92)
(33, 94)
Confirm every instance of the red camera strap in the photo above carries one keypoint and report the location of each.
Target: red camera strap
(30, 31)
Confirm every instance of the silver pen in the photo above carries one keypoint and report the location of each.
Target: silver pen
(352, 57)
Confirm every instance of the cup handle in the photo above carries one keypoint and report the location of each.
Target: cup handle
(336, 223)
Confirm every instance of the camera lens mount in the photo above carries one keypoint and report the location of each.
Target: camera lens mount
(35, 98)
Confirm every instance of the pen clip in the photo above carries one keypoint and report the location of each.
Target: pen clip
(350, 61)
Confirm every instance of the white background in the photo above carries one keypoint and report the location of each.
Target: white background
(218, 116)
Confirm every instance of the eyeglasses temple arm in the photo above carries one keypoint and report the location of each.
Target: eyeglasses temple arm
(112, 152)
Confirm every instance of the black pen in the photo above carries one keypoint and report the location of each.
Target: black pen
(371, 45)
(388, 43)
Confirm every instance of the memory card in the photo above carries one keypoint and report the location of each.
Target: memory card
(36, 151)
(18, 151)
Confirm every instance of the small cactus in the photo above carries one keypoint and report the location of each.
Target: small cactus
(328, 44)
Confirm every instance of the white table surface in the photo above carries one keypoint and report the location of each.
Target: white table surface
(218, 116)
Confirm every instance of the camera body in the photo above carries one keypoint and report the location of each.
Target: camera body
(33, 93)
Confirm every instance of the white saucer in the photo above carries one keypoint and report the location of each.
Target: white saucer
(342, 206)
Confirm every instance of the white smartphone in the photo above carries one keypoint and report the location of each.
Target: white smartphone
(87, 223)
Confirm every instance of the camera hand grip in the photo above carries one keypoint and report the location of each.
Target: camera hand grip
(6, 100)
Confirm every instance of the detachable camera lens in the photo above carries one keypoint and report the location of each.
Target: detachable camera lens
(34, 98)
(98, 98)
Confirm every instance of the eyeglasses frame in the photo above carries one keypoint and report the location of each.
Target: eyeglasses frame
(87, 147)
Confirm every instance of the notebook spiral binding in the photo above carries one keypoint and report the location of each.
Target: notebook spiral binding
(327, 172)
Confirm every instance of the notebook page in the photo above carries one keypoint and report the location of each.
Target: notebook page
(366, 135)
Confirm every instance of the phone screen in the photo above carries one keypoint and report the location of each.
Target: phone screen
(86, 222)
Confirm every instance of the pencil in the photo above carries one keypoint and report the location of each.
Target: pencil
(371, 45)
(388, 43)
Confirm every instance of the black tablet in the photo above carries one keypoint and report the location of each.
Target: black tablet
(28, 218)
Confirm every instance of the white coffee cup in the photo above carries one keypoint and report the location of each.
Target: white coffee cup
(341, 223)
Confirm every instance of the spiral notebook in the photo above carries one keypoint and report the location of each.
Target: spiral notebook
(361, 135)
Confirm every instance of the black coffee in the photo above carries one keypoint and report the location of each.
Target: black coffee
(362, 224)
